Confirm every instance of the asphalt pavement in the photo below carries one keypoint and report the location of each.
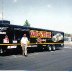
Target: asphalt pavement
(59, 60)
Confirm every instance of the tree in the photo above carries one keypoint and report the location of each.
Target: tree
(27, 23)
(67, 35)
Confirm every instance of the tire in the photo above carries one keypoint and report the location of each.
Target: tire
(49, 48)
(1, 51)
(53, 48)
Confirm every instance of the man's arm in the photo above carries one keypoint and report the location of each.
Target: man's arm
(21, 42)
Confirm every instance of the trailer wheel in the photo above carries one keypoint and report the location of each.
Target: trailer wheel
(49, 48)
(53, 48)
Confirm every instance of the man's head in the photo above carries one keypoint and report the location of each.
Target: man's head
(6, 36)
(24, 35)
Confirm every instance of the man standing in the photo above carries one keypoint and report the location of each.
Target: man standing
(6, 39)
(24, 42)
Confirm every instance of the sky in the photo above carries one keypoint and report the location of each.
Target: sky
(46, 14)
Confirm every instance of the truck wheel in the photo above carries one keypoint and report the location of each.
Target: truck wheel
(53, 48)
(1, 51)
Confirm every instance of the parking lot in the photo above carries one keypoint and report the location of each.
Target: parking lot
(59, 60)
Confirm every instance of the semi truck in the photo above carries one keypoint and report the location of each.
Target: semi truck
(50, 39)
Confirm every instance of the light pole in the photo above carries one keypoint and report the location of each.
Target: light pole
(2, 11)
(2, 8)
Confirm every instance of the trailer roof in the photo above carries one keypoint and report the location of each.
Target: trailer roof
(44, 29)
(26, 27)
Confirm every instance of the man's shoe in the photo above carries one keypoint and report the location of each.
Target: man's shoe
(25, 55)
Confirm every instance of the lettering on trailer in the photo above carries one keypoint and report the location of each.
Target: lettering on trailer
(10, 47)
(42, 34)
(2, 30)
(21, 29)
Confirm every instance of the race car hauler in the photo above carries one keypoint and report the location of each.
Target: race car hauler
(50, 40)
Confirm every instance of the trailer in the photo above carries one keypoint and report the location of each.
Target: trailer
(50, 40)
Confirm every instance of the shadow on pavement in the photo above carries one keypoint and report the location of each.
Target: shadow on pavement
(30, 50)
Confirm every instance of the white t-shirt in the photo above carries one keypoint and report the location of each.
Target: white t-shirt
(24, 40)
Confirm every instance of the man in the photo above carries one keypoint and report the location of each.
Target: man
(6, 39)
(24, 42)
